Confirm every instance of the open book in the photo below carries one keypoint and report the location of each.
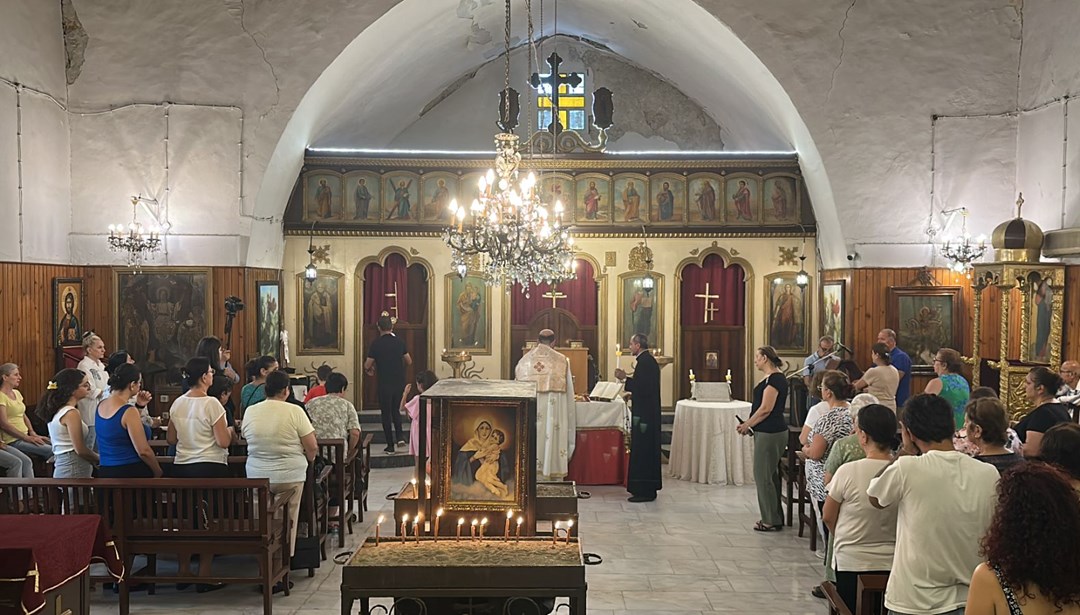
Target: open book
(606, 391)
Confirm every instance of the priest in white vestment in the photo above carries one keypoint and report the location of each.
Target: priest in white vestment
(556, 417)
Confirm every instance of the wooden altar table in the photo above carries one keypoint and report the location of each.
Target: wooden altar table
(448, 568)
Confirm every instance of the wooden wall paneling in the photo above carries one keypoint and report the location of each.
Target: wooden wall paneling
(1070, 336)
(729, 344)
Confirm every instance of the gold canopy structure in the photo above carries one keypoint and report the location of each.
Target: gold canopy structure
(1031, 296)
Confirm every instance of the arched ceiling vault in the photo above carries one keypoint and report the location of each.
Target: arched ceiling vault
(382, 81)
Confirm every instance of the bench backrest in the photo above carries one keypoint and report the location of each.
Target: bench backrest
(196, 509)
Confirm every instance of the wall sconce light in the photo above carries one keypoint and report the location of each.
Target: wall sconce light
(311, 271)
(802, 279)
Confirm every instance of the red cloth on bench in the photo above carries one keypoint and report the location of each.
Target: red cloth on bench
(600, 458)
(49, 550)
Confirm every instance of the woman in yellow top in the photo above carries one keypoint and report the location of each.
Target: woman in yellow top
(15, 427)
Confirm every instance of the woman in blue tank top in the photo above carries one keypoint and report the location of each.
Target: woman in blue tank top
(950, 385)
(121, 435)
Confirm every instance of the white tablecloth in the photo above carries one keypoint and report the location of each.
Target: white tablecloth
(705, 448)
(602, 415)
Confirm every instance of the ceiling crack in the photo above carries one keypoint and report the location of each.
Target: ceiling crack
(843, 43)
(266, 60)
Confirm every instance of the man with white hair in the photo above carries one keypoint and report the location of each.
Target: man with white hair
(1068, 393)
(556, 417)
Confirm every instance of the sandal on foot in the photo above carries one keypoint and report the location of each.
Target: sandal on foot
(762, 527)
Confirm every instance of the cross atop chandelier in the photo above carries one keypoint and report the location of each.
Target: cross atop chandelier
(137, 242)
(962, 251)
(508, 232)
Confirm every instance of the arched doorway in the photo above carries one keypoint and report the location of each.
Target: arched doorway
(571, 309)
(393, 284)
(712, 321)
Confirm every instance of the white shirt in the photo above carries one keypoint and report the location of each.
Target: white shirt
(944, 502)
(273, 430)
(59, 434)
(99, 388)
(816, 412)
(194, 418)
(865, 537)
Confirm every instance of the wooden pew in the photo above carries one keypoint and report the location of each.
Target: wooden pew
(870, 599)
(172, 517)
(342, 480)
(364, 477)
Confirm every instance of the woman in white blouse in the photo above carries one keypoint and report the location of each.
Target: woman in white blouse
(93, 366)
(281, 443)
(67, 431)
(197, 427)
(864, 536)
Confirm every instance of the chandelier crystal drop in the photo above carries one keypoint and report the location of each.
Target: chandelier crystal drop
(139, 243)
(964, 250)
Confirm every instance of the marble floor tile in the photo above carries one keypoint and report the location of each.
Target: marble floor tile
(690, 551)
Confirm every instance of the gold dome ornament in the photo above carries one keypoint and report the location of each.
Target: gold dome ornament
(1017, 240)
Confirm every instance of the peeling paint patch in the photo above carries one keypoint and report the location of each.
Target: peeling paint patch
(75, 41)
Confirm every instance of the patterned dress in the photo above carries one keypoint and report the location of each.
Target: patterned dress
(955, 390)
(832, 426)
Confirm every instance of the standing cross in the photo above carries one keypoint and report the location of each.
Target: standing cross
(554, 295)
(1020, 205)
(553, 81)
(395, 296)
(709, 309)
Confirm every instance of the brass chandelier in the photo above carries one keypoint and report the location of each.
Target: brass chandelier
(509, 234)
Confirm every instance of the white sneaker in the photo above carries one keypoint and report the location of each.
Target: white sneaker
(401, 443)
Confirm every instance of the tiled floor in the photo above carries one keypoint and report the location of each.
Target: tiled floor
(690, 551)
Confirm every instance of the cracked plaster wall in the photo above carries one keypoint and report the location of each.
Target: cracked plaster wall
(464, 117)
(868, 111)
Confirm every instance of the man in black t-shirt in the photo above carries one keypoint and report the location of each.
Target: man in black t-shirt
(386, 360)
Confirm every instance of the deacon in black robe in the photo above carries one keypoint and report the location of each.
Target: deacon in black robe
(644, 479)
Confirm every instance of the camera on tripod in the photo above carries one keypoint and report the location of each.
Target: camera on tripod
(233, 305)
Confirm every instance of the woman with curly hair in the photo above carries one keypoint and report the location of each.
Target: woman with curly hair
(1030, 547)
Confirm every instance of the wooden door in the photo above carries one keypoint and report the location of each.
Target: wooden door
(414, 334)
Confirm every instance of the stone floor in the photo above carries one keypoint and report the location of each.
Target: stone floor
(690, 551)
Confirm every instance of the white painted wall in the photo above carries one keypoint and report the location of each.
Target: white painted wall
(853, 88)
(34, 144)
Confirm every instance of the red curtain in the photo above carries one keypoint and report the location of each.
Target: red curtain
(727, 282)
(581, 298)
(380, 280)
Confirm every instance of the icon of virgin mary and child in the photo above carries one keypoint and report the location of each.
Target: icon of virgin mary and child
(481, 467)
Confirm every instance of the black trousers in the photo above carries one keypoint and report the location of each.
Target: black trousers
(389, 407)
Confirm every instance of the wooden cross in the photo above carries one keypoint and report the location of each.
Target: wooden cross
(554, 295)
(553, 81)
(709, 309)
(395, 296)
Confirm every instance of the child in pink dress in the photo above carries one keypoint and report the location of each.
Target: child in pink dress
(424, 381)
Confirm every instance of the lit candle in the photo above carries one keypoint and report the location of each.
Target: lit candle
(569, 524)
(413, 483)
(483, 522)
(377, 524)
(518, 536)
(460, 522)
(509, 515)
(692, 377)
(554, 533)
(438, 517)
(416, 526)
(404, 528)
(472, 531)
(728, 376)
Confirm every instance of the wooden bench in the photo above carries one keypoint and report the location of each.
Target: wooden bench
(870, 599)
(174, 517)
(342, 480)
(790, 468)
(804, 503)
